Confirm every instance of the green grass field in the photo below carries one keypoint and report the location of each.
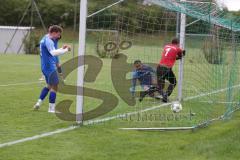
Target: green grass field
(20, 89)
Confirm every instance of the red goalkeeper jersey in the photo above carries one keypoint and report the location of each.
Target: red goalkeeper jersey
(169, 55)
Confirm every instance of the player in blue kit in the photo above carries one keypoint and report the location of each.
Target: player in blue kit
(146, 76)
(59, 69)
(48, 53)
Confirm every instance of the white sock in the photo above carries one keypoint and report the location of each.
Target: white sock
(52, 106)
(39, 102)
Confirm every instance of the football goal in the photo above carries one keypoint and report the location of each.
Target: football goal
(125, 31)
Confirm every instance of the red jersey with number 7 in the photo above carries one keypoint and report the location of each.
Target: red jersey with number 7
(169, 55)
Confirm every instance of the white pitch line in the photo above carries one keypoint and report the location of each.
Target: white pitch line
(104, 120)
(37, 136)
(219, 102)
(20, 84)
(159, 129)
(213, 92)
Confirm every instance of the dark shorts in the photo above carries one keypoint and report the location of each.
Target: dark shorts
(51, 78)
(166, 73)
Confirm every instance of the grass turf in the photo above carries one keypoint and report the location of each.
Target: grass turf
(106, 141)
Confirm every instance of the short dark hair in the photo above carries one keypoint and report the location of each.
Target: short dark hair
(175, 41)
(55, 28)
(137, 61)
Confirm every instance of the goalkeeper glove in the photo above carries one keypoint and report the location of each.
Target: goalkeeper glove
(132, 90)
(183, 52)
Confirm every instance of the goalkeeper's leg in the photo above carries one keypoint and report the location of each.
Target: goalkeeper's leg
(172, 79)
(150, 91)
(161, 76)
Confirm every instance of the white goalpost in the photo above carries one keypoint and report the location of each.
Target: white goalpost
(182, 45)
(81, 53)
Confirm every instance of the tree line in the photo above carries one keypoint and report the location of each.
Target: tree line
(63, 11)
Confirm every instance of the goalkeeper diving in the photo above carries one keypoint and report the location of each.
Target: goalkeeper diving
(146, 77)
(171, 53)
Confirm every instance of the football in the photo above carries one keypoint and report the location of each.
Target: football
(176, 107)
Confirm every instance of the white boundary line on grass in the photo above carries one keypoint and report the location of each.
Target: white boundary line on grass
(37, 136)
(219, 102)
(105, 119)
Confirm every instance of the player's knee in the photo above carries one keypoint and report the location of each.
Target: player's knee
(49, 87)
(53, 88)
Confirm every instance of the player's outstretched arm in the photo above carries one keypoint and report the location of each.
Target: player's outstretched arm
(134, 82)
(60, 51)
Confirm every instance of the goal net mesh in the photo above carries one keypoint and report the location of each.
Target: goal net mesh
(127, 32)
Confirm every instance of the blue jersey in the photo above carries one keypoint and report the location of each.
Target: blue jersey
(144, 75)
(48, 61)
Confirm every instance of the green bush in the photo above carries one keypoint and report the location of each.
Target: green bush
(31, 43)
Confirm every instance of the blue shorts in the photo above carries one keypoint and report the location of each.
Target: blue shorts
(51, 78)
